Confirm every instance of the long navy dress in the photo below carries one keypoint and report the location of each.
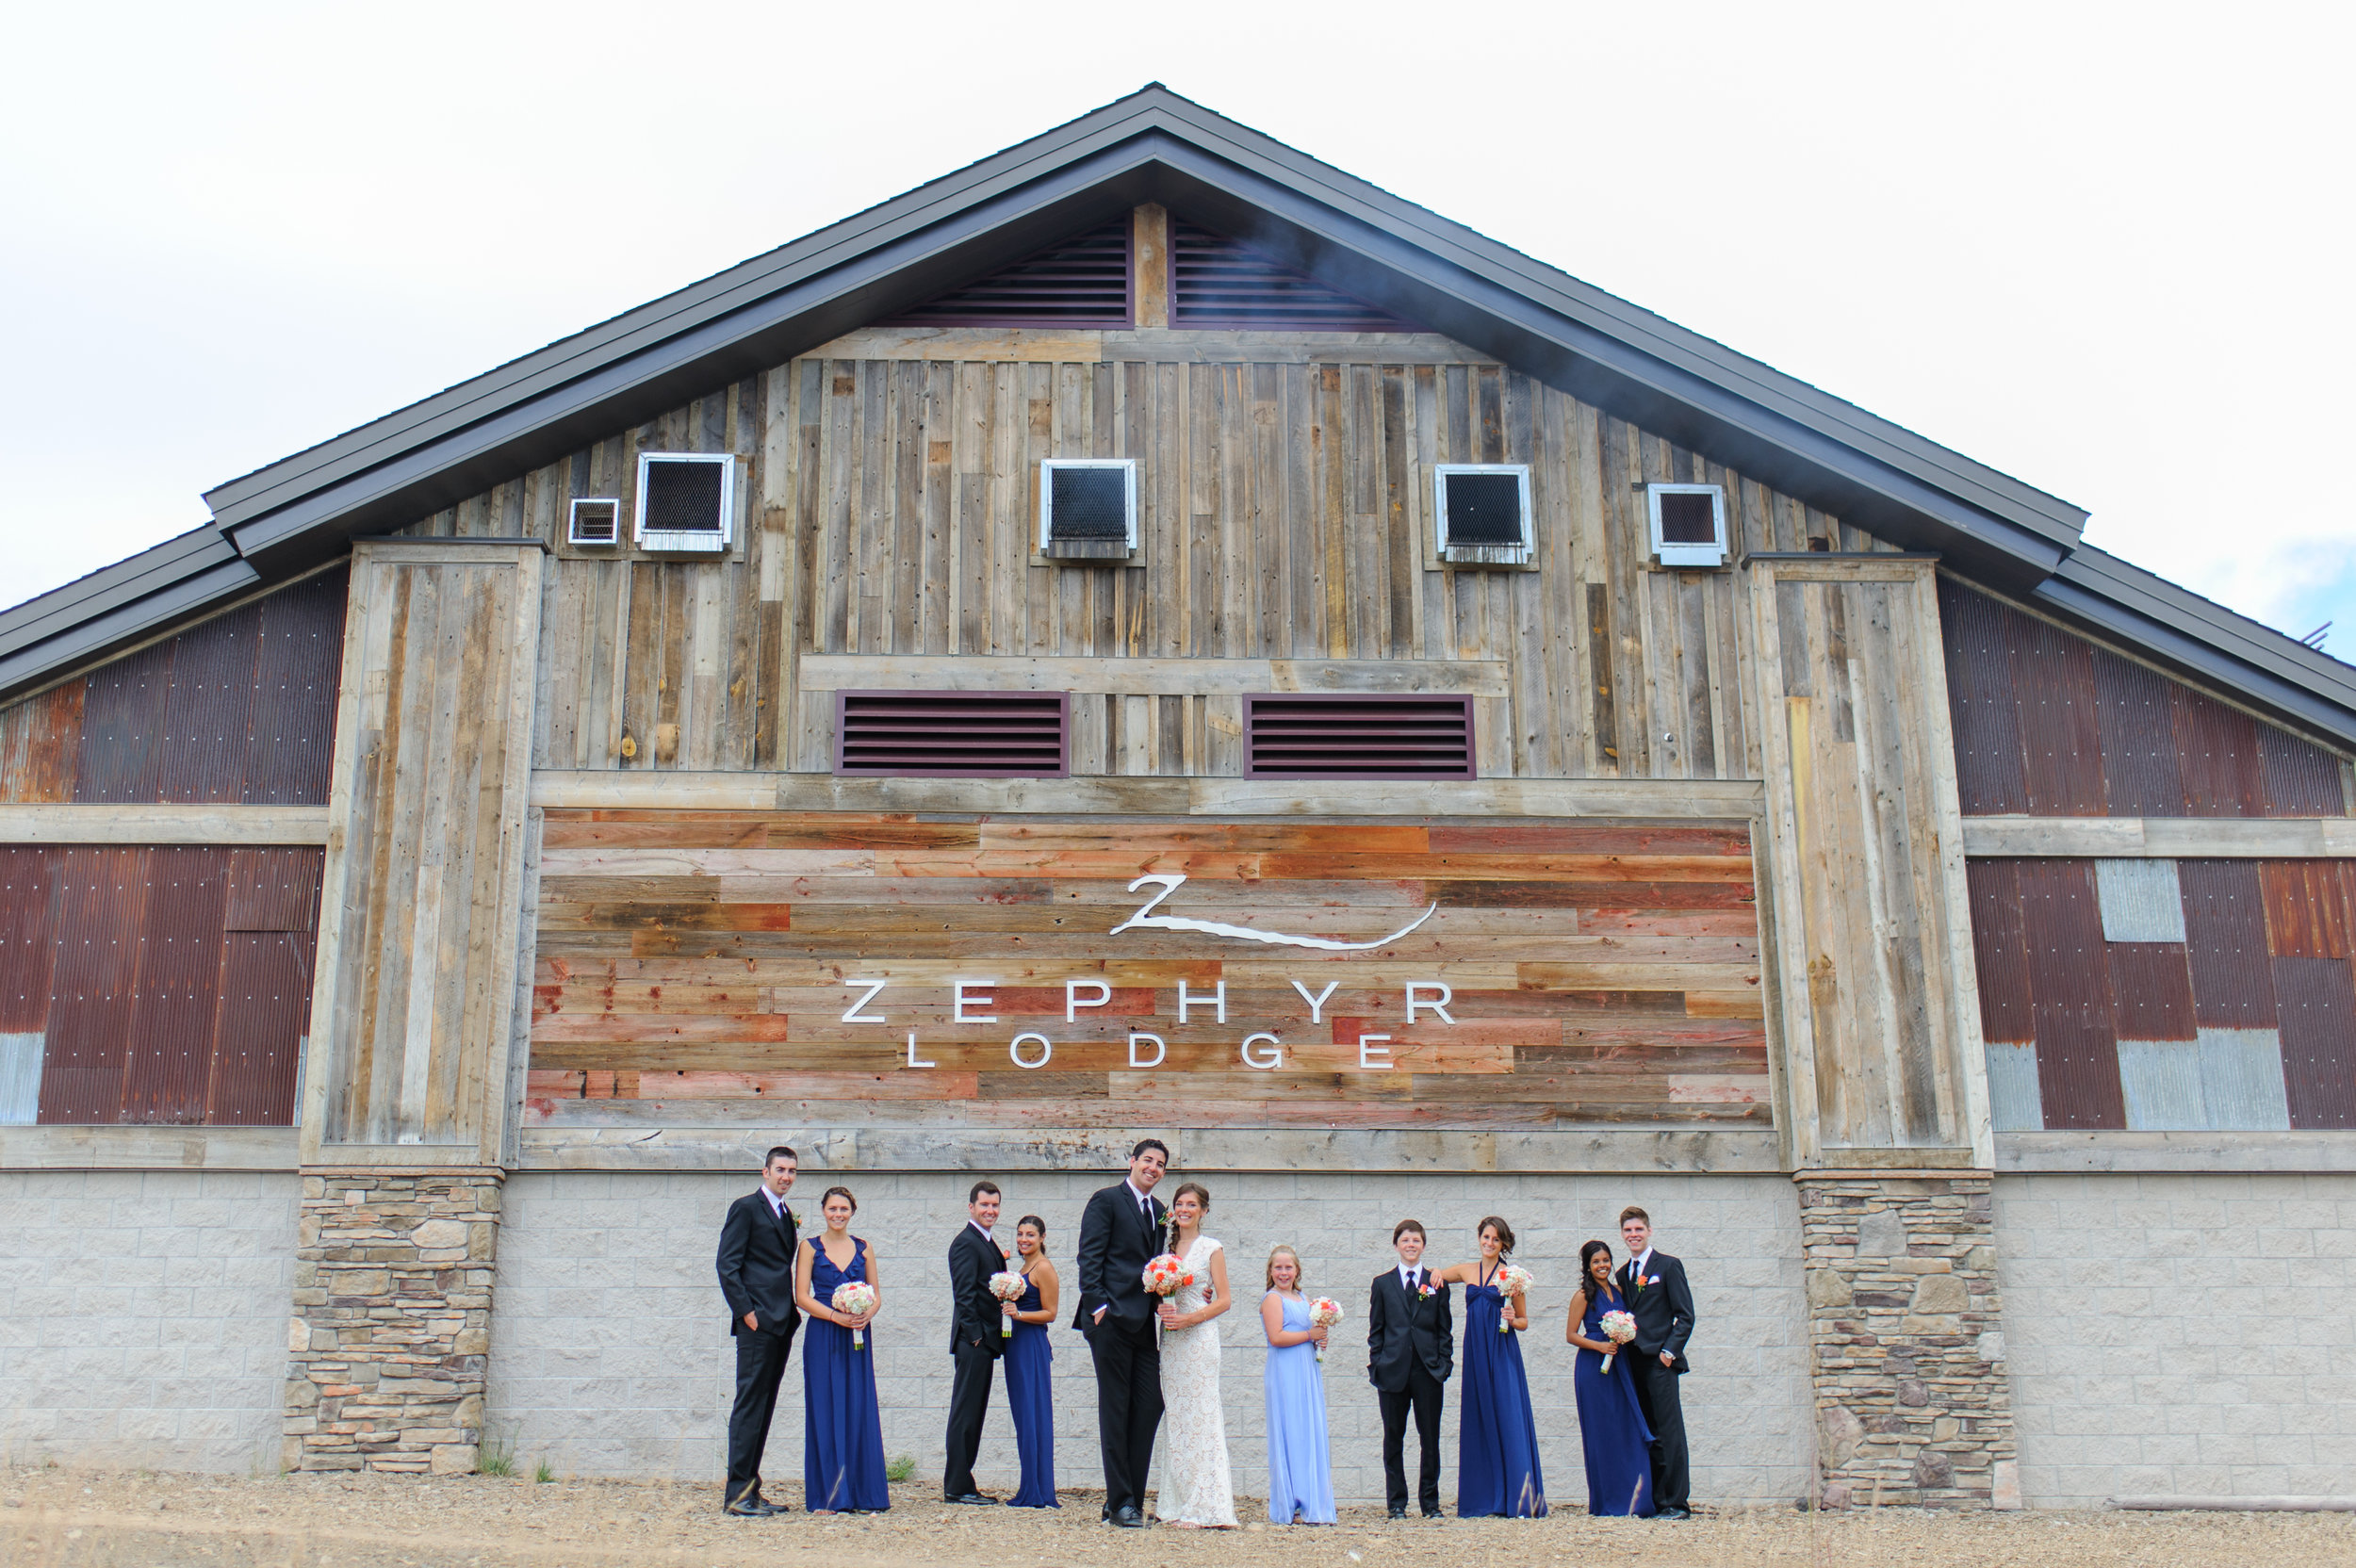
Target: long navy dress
(842, 1457)
(1612, 1430)
(1032, 1398)
(1497, 1445)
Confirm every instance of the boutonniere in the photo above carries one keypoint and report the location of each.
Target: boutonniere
(1427, 1289)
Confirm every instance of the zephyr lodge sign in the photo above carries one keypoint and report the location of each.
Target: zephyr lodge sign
(698, 968)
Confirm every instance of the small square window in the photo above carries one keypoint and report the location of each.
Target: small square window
(1484, 512)
(1689, 524)
(596, 522)
(1088, 508)
(686, 500)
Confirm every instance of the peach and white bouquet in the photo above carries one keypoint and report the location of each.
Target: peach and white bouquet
(1512, 1281)
(854, 1298)
(1324, 1312)
(1007, 1285)
(1619, 1327)
(1167, 1275)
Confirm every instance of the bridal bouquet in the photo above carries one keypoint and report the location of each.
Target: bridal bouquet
(1512, 1281)
(1324, 1312)
(852, 1298)
(1167, 1275)
(1619, 1327)
(1008, 1285)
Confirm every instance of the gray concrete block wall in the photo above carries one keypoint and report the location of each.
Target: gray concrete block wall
(611, 1355)
(2180, 1334)
(143, 1317)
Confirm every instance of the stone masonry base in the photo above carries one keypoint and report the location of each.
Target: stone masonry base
(1905, 1330)
(391, 1331)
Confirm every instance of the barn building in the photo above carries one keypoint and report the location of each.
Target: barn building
(1151, 633)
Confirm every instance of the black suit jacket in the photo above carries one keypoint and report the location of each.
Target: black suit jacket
(1663, 1312)
(756, 1249)
(1116, 1244)
(1403, 1330)
(974, 1315)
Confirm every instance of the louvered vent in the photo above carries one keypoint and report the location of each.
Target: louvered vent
(1358, 737)
(596, 522)
(1081, 282)
(952, 734)
(1219, 282)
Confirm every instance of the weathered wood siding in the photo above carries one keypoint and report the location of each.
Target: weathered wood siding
(1285, 500)
(694, 970)
(426, 850)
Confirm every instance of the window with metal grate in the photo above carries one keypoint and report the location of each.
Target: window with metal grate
(685, 500)
(1219, 282)
(1689, 524)
(1484, 512)
(1088, 507)
(1083, 282)
(953, 734)
(1354, 736)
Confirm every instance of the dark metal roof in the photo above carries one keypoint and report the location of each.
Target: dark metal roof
(1152, 145)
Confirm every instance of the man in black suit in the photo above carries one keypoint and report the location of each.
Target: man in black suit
(1410, 1354)
(975, 1338)
(757, 1248)
(1121, 1233)
(1662, 1305)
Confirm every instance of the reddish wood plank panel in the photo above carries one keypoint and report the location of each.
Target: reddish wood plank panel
(2077, 1056)
(2316, 1001)
(2225, 936)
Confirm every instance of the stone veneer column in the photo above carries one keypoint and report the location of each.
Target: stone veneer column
(1907, 1342)
(391, 1332)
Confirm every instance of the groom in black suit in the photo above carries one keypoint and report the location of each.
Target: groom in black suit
(1662, 1305)
(758, 1242)
(1120, 1234)
(1410, 1354)
(975, 1338)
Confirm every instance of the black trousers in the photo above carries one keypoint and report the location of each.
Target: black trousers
(1657, 1396)
(761, 1357)
(1424, 1395)
(1128, 1407)
(969, 1401)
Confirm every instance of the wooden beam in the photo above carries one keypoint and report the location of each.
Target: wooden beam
(837, 672)
(2162, 838)
(173, 824)
(148, 1148)
(1148, 248)
(2210, 1153)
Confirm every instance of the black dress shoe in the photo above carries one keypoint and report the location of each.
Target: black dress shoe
(1674, 1514)
(1399, 1513)
(1129, 1519)
(752, 1508)
(971, 1499)
(1433, 1513)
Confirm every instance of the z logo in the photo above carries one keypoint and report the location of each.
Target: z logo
(1169, 883)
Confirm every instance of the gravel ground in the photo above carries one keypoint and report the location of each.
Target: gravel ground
(57, 1518)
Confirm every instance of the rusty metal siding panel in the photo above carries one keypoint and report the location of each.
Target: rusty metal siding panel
(265, 1007)
(2298, 779)
(169, 1055)
(123, 722)
(207, 707)
(2225, 936)
(2216, 750)
(97, 905)
(2061, 735)
(1976, 631)
(39, 740)
(2077, 1054)
(299, 663)
(2307, 907)
(2139, 774)
(274, 889)
(27, 945)
(2318, 1001)
(2151, 990)
(2000, 951)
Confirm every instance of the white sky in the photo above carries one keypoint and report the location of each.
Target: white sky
(2102, 249)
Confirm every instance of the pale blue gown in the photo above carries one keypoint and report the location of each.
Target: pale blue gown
(1300, 1468)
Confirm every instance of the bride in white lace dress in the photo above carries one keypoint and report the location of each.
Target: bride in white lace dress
(1198, 1489)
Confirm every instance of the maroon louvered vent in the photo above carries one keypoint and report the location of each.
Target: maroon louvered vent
(1081, 282)
(1219, 282)
(953, 734)
(1358, 737)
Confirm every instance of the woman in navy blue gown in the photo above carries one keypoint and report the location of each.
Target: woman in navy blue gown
(1497, 1445)
(1029, 1392)
(1612, 1430)
(842, 1457)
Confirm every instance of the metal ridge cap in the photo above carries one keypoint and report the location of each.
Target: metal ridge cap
(2124, 581)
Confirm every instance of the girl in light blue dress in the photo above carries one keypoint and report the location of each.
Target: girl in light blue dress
(1300, 1471)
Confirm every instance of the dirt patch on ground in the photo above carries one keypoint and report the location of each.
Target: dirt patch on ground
(57, 1518)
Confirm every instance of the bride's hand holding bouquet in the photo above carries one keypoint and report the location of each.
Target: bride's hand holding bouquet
(1165, 1277)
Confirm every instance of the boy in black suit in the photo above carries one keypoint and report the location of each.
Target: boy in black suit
(757, 1244)
(975, 1338)
(1662, 1305)
(1410, 1354)
(1121, 1233)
